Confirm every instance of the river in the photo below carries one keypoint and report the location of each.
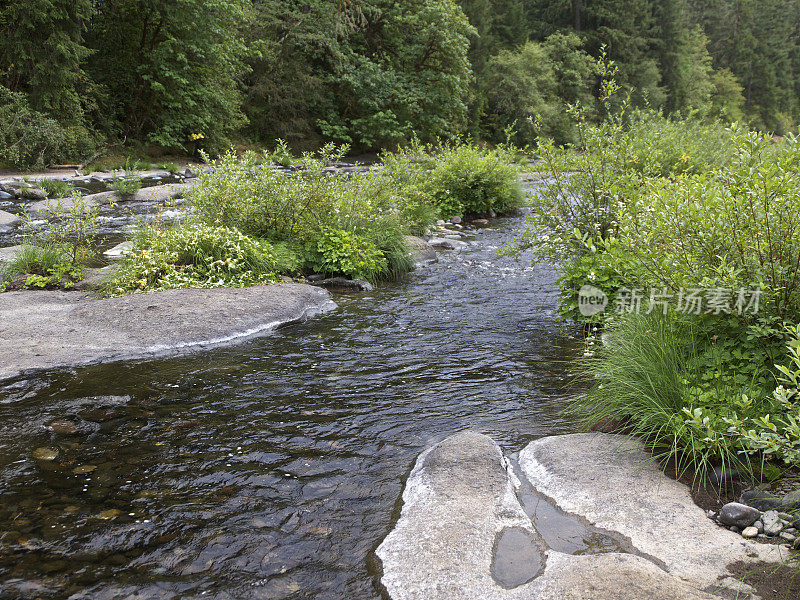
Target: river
(273, 469)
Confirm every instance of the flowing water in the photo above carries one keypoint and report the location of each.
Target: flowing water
(273, 469)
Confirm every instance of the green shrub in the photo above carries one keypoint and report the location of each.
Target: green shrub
(340, 252)
(198, 255)
(302, 207)
(457, 179)
(126, 186)
(55, 188)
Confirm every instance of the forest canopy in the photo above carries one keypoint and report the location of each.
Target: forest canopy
(186, 75)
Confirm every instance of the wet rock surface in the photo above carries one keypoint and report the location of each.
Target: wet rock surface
(42, 330)
(463, 533)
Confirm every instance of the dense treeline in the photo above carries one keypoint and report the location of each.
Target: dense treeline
(191, 74)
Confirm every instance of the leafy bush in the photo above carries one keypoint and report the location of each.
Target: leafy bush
(457, 179)
(303, 207)
(198, 255)
(55, 188)
(336, 251)
(126, 186)
(43, 266)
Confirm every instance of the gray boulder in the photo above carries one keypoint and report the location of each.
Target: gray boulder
(421, 252)
(7, 219)
(738, 514)
(447, 244)
(32, 193)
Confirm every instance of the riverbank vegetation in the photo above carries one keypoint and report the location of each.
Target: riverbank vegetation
(692, 230)
(253, 222)
(80, 78)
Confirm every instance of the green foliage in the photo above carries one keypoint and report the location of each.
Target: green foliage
(55, 188)
(127, 185)
(170, 70)
(650, 379)
(71, 231)
(44, 266)
(538, 81)
(341, 252)
(197, 255)
(31, 139)
(456, 179)
(303, 206)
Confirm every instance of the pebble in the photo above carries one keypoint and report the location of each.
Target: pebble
(749, 532)
(62, 427)
(788, 536)
(773, 524)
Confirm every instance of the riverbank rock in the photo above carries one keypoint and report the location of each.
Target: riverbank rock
(44, 330)
(119, 251)
(8, 253)
(739, 515)
(447, 244)
(158, 194)
(612, 482)
(342, 284)
(421, 252)
(95, 279)
(8, 220)
(459, 504)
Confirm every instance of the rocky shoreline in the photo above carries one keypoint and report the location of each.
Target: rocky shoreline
(463, 499)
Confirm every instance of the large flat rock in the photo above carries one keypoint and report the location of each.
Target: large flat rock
(158, 194)
(614, 484)
(43, 330)
(457, 501)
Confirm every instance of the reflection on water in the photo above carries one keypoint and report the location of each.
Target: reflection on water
(273, 469)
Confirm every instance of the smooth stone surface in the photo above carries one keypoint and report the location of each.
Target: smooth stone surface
(94, 279)
(458, 499)
(791, 501)
(739, 515)
(118, 251)
(8, 220)
(772, 522)
(517, 557)
(447, 244)
(422, 253)
(344, 284)
(750, 532)
(613, 483)
(43, 330)
(8, 253)
(158, 194)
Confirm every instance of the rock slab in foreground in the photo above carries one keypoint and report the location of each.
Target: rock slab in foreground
(457, 501)
(43, 330)
(613, 483)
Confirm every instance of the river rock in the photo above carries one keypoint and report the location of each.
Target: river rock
(45, 330)
(773, 524)
(760, 499)
(455, 219)
(32, 193)
(480, 222)
(611, 481)
(458, 505)
(421, 252)
(95, 279)
(791, 501)
(8, 253)
(45, 454)
(749, 532)
(62, 427)
(4, 195)
(119, 251)
(738, 514)
(343, 284)
(8, 220)
(447, 244)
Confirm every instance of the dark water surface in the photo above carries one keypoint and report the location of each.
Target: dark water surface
(273, 469)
